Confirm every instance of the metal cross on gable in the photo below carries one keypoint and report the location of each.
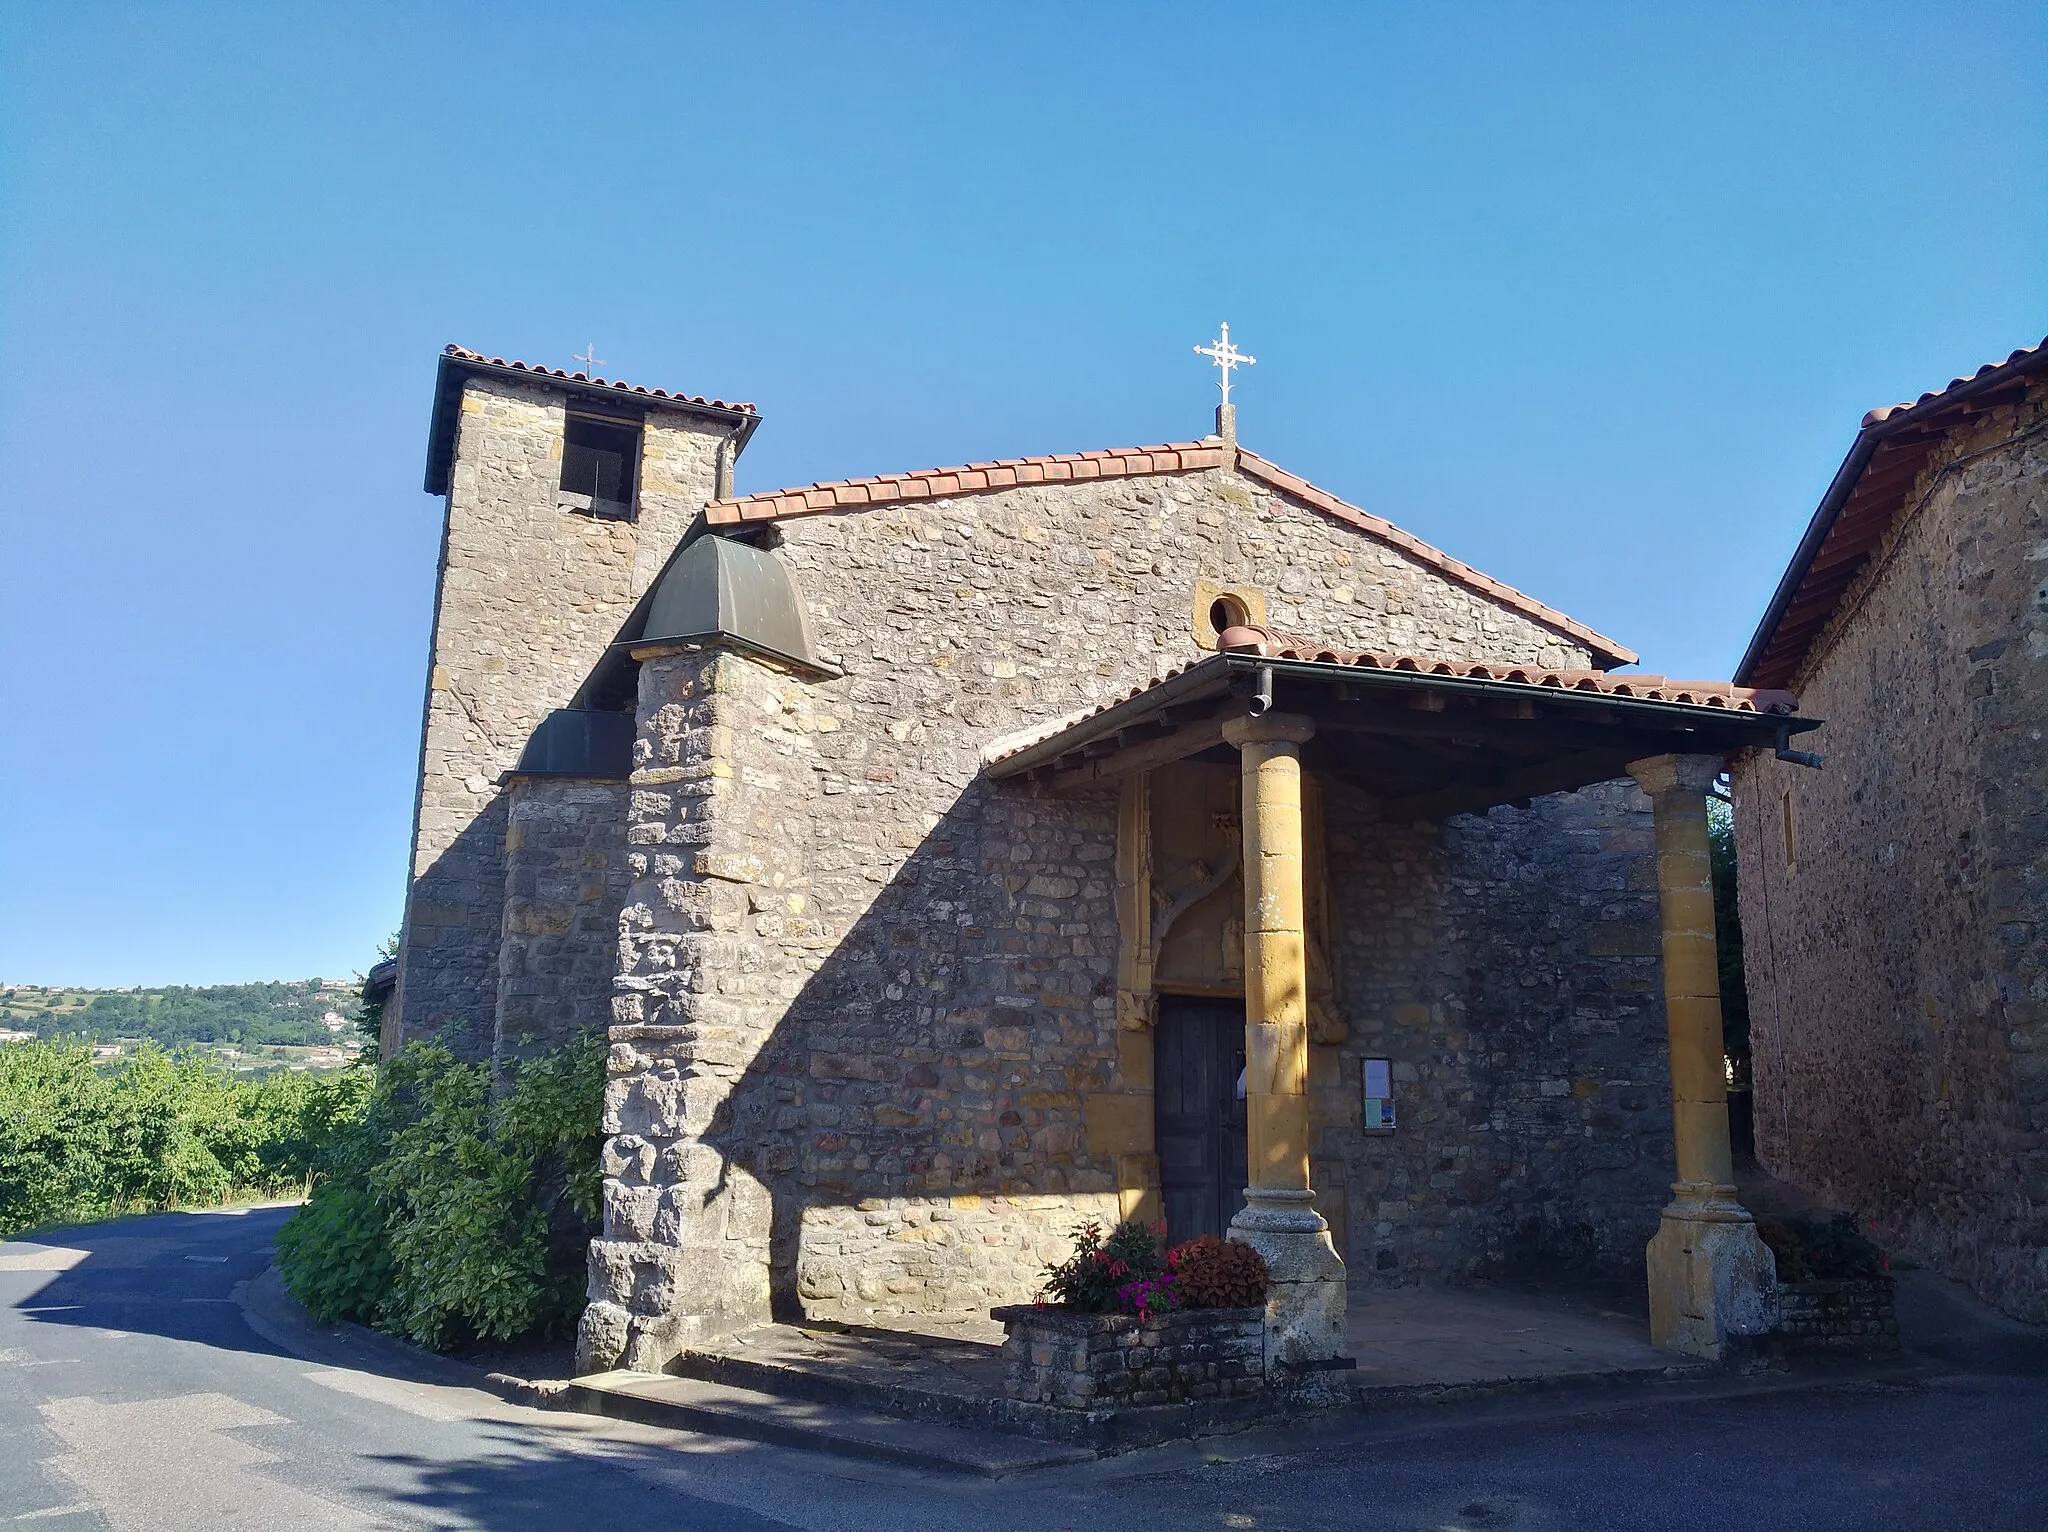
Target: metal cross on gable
(1226, 356)
(590, 359)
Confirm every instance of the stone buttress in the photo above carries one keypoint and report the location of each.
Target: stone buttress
(688, 1222)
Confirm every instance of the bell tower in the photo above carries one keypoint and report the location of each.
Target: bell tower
(564, 494)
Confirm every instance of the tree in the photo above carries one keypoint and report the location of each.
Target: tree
(1728, 936)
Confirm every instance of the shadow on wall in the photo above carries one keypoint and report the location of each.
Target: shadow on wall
(454, 924)
(1506, 965)
(1564, 994)
(916, 1115)
(918, 1126)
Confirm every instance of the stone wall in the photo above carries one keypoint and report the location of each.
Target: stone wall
(1507, 965)
(1898, 958)
(1117, 1361)
(865, 1032)
(529, 595)
(1835, 1317)
(565, 878)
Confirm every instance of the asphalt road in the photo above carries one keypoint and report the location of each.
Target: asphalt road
(134, 1395)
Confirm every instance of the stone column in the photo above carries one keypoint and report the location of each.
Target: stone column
(1710, 1276)
(1305, 1313)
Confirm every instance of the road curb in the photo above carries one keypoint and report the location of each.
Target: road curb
(273, 1313)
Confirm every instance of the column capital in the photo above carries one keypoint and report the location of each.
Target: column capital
(1270, 729)
(1659, 775)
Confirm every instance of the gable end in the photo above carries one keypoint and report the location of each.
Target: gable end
(846, 495)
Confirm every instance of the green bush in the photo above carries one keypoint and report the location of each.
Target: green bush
(79, 1141)
(1822, 1249)
(451, 1213)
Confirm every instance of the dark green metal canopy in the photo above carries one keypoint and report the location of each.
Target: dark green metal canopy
(579, 742)
(716, 589)
(713, 591)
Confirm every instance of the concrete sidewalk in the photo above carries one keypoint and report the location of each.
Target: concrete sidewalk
(894, 1397)
(1404, 1338)
(1435, 1337)
(1414, 1346)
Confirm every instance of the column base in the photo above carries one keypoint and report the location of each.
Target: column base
(1712, 1280)
(1305, 1308)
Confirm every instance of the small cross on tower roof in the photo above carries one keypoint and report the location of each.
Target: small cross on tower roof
(592, 361)
(1226, 356)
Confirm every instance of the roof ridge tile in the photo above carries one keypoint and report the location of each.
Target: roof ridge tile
(1410, 544)
(1115, 462)
(541, 369)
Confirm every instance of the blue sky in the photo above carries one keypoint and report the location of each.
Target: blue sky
(1590, 296)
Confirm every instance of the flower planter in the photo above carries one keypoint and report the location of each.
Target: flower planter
(1835, 1317)
(1082, 1361)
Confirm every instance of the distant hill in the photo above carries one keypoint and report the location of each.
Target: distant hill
(291, 1012)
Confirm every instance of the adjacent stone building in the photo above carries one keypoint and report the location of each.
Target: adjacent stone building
(958, 855)
(1895, 903)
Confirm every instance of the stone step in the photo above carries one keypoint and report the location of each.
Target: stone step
(720, 1409)
(842, 1382)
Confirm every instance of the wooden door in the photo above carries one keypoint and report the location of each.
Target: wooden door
(1198, 1114)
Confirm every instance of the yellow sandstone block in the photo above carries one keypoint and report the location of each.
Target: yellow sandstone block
(1118, 1124)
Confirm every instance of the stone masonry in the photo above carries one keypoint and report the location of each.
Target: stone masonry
(1897, 937)
(565, 879)
(865, 1051)
(1106, 1361)
(1507, 966)
(1832, 1317)
(529, 596)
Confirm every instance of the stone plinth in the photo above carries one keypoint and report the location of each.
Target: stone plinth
(1305, 1306)
(1082, 1361)
(1711, 1279)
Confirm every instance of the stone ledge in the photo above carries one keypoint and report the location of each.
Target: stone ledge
(1053, 1316)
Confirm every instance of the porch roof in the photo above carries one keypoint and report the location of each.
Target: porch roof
(1429, 737)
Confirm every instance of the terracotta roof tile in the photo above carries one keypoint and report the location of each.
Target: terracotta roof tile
(972, 478)
(1007, 745)
(1270, 643)
(1869, 493)
(1889, 411)
(462, 353)
(1715, 694)
(1256, 467)
(1171, 457)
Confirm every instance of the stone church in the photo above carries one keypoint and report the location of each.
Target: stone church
(959, 854)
